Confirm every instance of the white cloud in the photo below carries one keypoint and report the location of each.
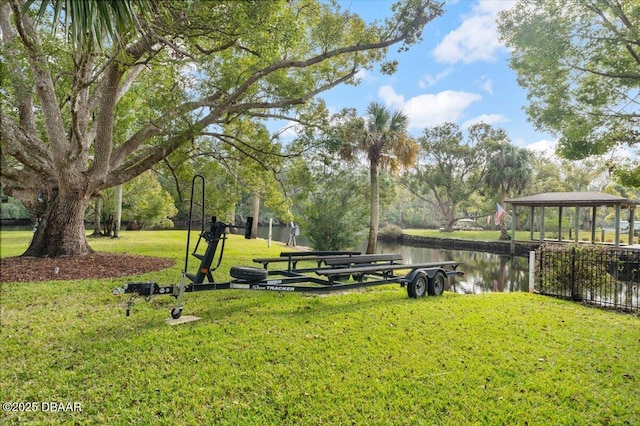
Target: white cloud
(390, 97)
(545, 147)
(485, 118)
(493, 7)
(290, 130)
(364, 76)
(487, 86)
(430, 79)
(429, 110)
(476, 39)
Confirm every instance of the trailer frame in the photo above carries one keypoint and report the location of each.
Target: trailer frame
(334, 271)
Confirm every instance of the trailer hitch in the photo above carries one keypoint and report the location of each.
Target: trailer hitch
(144, 289)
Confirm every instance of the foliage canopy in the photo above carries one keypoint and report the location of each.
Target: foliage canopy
(580, 63)
(78, 119)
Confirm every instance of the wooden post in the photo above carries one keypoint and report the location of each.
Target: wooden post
(632, 219)
(593, 224)
(532, 270)
(617, 225)
(531, 222)
(576, 226)
(513, 230)
(560, 224)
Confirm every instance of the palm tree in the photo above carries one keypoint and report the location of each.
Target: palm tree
(87, 22)
(509, 170)
(382, 137)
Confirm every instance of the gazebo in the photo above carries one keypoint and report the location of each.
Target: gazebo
(577, 200)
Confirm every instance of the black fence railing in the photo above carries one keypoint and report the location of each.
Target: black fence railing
(599, 275)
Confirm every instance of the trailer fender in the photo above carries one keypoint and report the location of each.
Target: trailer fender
(429, 272)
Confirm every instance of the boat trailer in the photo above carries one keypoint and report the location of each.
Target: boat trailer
(299, 271)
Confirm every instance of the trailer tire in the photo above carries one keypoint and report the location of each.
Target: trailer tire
(176, 313)
(246, 273)
(436, 284)
(358, 277)
(418, 285)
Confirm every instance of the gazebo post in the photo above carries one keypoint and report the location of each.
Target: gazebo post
(576, 226)
(560, 224)
(617, 225)
(531, 222)
(513, 231)
(577, 200)
(593, 225)
(632, 219)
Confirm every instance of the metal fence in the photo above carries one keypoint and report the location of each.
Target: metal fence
(599, 275)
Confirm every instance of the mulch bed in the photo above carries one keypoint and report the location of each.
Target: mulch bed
(93, 266)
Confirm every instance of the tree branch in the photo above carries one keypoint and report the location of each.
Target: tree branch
(44, 86)
(25, 100)
(25, 148)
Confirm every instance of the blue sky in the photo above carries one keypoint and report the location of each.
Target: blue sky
(458, 73)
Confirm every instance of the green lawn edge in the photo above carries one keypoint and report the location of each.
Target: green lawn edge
(492, 235)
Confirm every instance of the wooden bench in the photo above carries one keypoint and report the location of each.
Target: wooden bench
(365, 258)
(292, 258)
(318, 253)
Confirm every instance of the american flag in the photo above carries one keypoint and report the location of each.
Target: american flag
(499, 212)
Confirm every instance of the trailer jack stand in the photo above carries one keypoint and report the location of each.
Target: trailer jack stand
(130, 303)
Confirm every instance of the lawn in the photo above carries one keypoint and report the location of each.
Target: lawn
(262, 358)
(489, 235)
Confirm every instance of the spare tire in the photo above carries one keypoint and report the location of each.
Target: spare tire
(247, 273)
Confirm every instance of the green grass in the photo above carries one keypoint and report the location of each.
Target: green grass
(466, 235)
(261, 358)
(520, 235)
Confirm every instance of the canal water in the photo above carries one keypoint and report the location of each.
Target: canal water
(484, 272)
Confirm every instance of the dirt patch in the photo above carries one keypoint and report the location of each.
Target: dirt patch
(93, 266)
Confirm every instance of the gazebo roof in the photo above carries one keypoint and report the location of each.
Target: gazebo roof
(572, 199)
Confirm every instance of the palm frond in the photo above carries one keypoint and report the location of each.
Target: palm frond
(87, 23)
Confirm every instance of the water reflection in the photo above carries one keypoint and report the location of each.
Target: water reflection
(485, 272)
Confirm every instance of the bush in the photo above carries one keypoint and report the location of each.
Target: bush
(390, 233)
(13, 209)
(334, 216)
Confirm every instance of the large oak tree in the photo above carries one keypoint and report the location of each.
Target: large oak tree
(452, 168)
(579, 60)
(67, 129)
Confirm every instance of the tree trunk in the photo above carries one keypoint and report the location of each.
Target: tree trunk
(375, 210)
(108, 226)
(61, 230)
(256, 214)
(448, 211)
(97, 229)
(118, 219)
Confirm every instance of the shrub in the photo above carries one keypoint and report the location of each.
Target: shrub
(334, 215)
(390, 233)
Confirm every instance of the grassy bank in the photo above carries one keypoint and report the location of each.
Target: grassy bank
(372, 357)
(609, 236)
